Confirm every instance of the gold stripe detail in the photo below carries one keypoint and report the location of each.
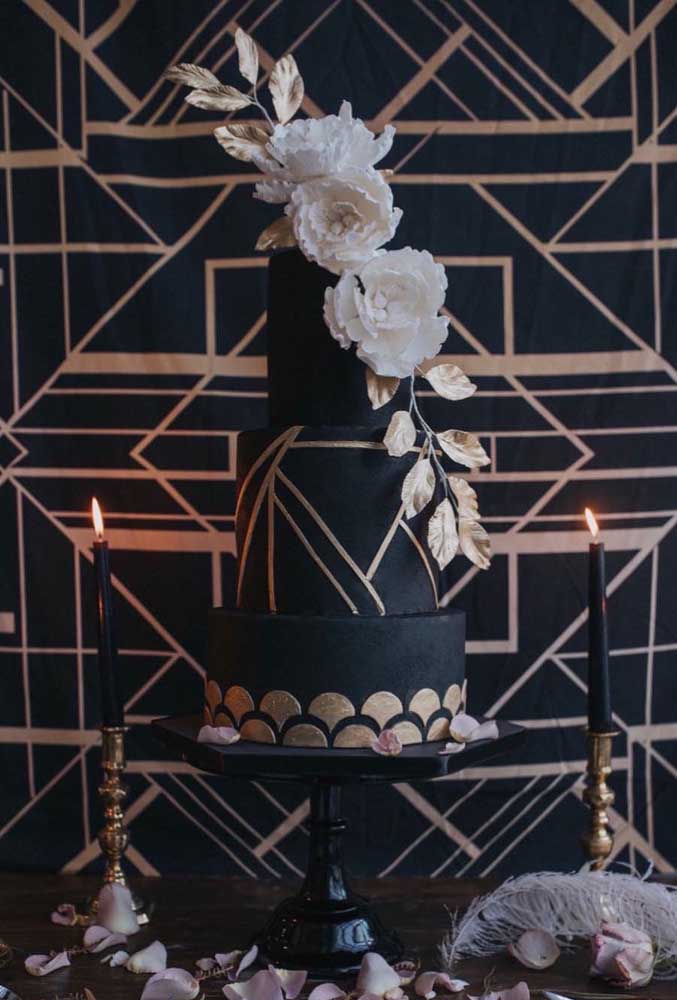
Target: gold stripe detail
(419, 548)
(383, 547)
(291, 434)
(333, 539)
(272, 604)
(257, 465)
(314, 556)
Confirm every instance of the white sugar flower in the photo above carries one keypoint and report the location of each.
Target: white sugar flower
(318, 147)
(339, 222)
(391, 312)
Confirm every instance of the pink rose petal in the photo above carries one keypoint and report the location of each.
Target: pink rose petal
(99, 939)
(376, 976)
(518, 992)
(65, 915)
(326, 991)
(171, 984)
(115, 910)
(388, 743)
(42, 965)
(430, 984)
(221, 735)
(450, 748)
(291, 981)
(248, 959)
(264, 985)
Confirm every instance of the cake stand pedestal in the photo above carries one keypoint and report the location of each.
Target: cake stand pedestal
(325, 928)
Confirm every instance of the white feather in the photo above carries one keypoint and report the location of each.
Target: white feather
(571, 907)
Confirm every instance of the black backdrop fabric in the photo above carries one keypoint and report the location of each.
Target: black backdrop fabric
(536, 157)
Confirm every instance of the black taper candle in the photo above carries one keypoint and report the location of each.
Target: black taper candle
(599, 695)
(111, 712)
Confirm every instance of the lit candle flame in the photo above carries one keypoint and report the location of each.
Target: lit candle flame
(592, 523)
(97, 518)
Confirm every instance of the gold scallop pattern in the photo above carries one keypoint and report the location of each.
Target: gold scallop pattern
(464, 695)
(221, 719)
(304, 735)
(452, 698)
(424, 703)
(207, 716)
(239, 701)
(331, 708)
(280, 705)
(382, 706)
(354, 736)
(408, 733)
(439, 730)
(213, 695)
(257, 731)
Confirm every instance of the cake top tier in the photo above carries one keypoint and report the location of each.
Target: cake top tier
(311, 379)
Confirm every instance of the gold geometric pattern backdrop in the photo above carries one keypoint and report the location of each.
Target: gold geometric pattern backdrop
(536, 156)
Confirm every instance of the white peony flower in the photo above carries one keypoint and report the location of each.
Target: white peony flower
(391, 311)
(340, 222)
(318, 147)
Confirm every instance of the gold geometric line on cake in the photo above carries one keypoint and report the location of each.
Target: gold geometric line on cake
(424, 559)
(292, 433)
(314, 556)
(270, 546)
(257, 465)
(331, 537)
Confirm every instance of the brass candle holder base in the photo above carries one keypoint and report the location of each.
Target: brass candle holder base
(598, 841)
(114, 837)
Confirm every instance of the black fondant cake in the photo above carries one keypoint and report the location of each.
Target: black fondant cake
(337, 632)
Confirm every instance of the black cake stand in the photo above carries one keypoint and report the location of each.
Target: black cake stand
(325, 928)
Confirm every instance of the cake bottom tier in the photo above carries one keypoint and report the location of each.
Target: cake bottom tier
(335, 682)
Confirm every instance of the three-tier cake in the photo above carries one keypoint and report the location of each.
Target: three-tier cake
(337, 633)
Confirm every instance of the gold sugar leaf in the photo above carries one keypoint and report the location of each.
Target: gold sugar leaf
(380, 388)
(286, 88)
(224, 99)
(248, 56)
(278, 234)
(241, 141)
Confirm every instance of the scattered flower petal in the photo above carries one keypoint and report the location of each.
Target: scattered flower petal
(326, 991)
(388, 744)
(264, 985)
(65, 915)
(466, 729)
(171, 984)
(42, 965)
(99, 939)
(428, 984)
(376, 976)
(247, 959)
(115, 958)
(207, 964)
(535, 949)
(153, 958)
(223, 735)
(115, 910)
(450, 748)
(291, 981)
(622, 955)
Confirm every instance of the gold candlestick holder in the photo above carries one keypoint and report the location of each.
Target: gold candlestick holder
(598, 841)
(114, 837)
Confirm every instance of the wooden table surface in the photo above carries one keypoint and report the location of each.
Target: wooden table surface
(195, 917)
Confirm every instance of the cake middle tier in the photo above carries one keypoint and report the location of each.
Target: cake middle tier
(321, 528)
